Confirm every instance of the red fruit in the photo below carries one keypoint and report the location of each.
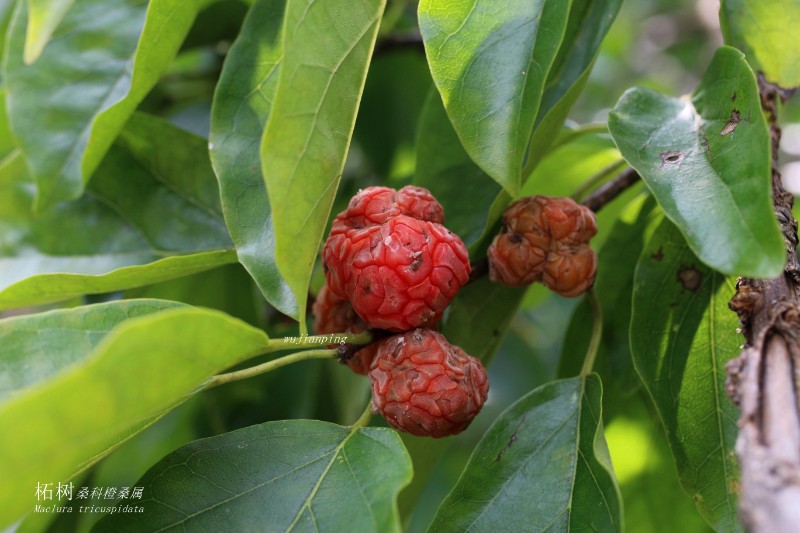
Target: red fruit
(334, 315)
(375, 205)
(424, 385)
(545, 239)
(399, 275)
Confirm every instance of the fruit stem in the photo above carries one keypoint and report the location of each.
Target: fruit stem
(315, 341)
(597, 334)
(364, 419)
(221, 379)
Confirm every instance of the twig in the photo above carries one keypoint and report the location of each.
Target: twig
(763, 380)
(397, 42)
(611, 190)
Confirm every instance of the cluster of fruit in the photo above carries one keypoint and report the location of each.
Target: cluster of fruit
(391, 264)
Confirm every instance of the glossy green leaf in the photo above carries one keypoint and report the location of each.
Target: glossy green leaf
(445, 169)
(28, 341)
(480, 315)
(154, 168)
(614, 289)
(682, 334)
(327, 49)
(44, 16)
(141, 369)
(765, 31)
(241, 107)
(588, 24)
(543, 465)
(107, 56)
(290, 475)
(490, 62)
(706, 160)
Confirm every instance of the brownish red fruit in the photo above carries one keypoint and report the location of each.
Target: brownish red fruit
(426, 386)
(545, 239)
(389, 255)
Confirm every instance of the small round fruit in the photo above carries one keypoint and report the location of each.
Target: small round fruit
(426, 386)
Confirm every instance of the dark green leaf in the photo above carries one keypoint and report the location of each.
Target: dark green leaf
(706, 160)
(108, 56)
(327, 48)
(153, 169)
(480, 315)
(397, 88)
(490, 62)
(589, 21)
(543, 465)
(444, 168)
(279, 476)
(141, 369)
(44, 16)
(682, 334)
(241, 107)
(765, 31)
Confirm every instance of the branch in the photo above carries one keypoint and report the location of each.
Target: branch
(399, 41)
(763, 380)
(611, 190)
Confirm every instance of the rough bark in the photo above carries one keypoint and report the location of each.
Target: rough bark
(765, 379)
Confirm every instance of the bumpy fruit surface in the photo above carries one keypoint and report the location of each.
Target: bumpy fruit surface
(334, 315)
(545, 239)
(398, 275)
(424, 385)
(376, 205)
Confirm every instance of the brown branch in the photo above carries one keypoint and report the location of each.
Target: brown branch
(763, 380)
(398, 42)
(611, 190)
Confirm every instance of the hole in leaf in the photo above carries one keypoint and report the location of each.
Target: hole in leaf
(672, 157)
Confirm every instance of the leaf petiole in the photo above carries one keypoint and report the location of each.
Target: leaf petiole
(221, 379)
(597, 334)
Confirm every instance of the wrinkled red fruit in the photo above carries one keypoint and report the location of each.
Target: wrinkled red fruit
(424, 385)
(545, 239)
(375, 205)
(398, 275)
(334, 315)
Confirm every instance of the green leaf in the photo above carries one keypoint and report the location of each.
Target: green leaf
(28, 341)
(445, 169)
(327, 48)
(44, 17)
(706, 160)
(543, 465)
(614, 290)
(479, 316)
(682, 334)
(765, 31)
(107, 57)
(279, 476)
(490, 62)
(153, 169)
(141, 369)
(241, 107)
(588, 24)
(654, 499)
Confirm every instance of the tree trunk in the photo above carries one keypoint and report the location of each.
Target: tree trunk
(765, 379)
